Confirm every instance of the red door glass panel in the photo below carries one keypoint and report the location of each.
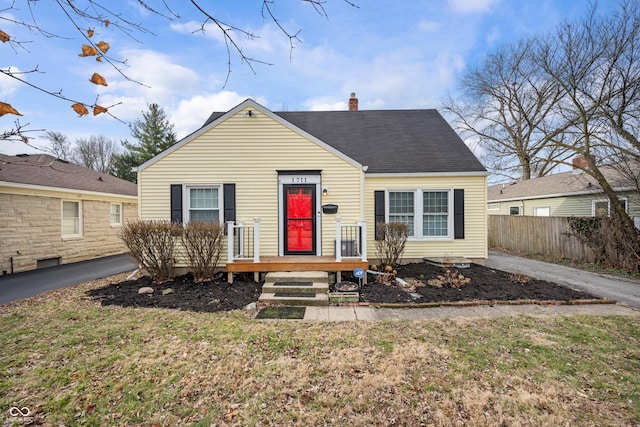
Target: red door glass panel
(300, 219)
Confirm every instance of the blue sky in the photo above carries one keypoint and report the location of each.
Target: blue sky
(392, 54)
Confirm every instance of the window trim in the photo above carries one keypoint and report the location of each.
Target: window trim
(519, 210)
(537, 208)
(80, 219)
(187, 200)
(418, 214)
(493, 206)
(119, 223)
(622, 199)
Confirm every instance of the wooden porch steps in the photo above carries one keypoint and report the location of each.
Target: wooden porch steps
(296, 288)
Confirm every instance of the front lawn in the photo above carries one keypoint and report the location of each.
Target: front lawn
(73, 362)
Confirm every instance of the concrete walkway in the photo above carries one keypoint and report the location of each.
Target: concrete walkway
(345, 314)
(624, 291)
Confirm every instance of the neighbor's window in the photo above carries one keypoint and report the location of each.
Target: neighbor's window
(401, 208)
(603, 207)
(71, 219)
(427, 213)
(203, 204)
(514, 210)
(435, 213)
(116, 214)
(493, 206)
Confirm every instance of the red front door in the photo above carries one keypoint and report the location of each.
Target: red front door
(300, 219)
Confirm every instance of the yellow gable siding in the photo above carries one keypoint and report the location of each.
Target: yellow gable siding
(248, 151)
(474, 245)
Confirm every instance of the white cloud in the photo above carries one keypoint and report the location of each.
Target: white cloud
(8, 85)
(473, 6)
(430, 26)
(190, 114)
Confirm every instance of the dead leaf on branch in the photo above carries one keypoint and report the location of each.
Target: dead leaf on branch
(4, 37)
(80, 109)
(89, 32)
(106, 22)
(7, 109)
(103, 46)
(88, 51)
(98, 109)
(98, 79)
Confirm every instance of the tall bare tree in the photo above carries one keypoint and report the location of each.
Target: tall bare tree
(507, 106)
(59, 145)
(596, 63)
(97, 152)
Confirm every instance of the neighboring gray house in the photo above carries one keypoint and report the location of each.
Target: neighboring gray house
(572, 193)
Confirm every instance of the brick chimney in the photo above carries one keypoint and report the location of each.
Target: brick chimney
(353, 102)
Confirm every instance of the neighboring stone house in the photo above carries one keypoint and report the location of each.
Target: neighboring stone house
(55, 212)
(300, 181)
(573, 193)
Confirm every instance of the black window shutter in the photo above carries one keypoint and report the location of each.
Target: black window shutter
(458, 214)
(229, 191)
(378, 211)
(176, 203)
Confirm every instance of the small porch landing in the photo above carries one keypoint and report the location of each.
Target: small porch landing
(269, 264)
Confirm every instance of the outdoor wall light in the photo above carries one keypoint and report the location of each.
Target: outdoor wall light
(325, 191)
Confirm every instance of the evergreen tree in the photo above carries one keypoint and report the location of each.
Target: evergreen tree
(154, 134)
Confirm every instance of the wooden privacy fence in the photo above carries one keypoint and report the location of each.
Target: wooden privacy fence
(548, 236)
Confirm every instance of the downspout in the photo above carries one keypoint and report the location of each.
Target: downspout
(362, 200)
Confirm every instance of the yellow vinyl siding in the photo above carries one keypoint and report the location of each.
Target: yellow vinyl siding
(474, 245)
(249, 151)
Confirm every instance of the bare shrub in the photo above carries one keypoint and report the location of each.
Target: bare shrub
(203, 242)
(392, 238)
(611, 242)
(152, 245)
(450, 279)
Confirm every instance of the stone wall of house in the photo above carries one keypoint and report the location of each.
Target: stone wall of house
(31, 230)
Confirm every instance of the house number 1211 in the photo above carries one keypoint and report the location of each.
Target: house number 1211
(298, 180)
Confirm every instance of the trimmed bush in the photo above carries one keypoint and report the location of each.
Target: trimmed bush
(152, 245)
(203, 243)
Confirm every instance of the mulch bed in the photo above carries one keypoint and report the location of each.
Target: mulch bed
(486, 285)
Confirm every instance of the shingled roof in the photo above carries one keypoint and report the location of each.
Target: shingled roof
(387, 141)
(48, 171)
(560, 184)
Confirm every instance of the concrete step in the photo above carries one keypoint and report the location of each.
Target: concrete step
(297, 276)
(291, 298)
(296, 287)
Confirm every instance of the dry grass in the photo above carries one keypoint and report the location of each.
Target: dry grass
(75, 363)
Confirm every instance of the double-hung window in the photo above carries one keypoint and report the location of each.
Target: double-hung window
(203, 203)
(115, 214)
(71, 219)
(428, 213)
(401, 208)
(435, 213)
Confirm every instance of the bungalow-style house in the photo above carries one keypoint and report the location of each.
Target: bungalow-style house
(573, 193)
(289, 185)
(55, 212)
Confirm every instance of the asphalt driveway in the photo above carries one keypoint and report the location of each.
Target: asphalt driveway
(615, 288)
(17, 286)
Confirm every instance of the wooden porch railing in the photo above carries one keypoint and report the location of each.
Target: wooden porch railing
(243, 241)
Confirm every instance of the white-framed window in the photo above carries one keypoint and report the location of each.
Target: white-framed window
(115, 214)
(71, 218)
(603, 207)
(402, 208)
(427, 212)
(542, 211)
(203, 202)
(514, 210)
(493, 206)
